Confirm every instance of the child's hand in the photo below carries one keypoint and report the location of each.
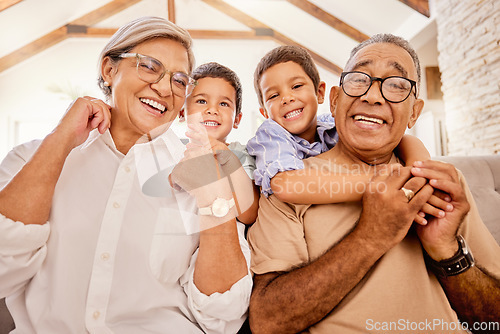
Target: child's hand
(199, 137)
(436, 206)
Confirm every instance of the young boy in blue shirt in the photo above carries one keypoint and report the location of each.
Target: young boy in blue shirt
(289, 90)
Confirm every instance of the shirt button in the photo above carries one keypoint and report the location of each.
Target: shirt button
(96, 315)
(127, 169)
(105, 256)
(116, 205)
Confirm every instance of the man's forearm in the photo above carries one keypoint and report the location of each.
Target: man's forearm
(28, 196)
(474, 295)
(294, 301)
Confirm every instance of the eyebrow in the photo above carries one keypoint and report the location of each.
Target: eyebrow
(297, 77)
(394, 64)
(204, 95)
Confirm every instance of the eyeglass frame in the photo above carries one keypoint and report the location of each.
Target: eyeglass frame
(372, 79)
(191, 81)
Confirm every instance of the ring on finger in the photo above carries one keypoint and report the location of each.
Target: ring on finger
(408, 193)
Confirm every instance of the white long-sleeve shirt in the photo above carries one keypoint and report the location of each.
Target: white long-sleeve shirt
(112, 259)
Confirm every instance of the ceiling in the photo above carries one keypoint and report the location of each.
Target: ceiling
(327, 28)
(49, 48)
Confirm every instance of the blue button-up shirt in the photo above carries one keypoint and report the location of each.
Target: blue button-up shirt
(277, 150)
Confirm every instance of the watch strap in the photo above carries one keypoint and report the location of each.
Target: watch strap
(457, 264)
(208, 210)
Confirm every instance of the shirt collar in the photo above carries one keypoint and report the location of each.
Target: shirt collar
(169, 138)
(94, 135)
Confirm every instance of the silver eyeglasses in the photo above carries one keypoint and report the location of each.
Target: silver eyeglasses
(152, 71)
(393, 89)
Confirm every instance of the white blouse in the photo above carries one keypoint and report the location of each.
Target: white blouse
(112, 259)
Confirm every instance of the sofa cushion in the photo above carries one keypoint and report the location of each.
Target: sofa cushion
(483, 177)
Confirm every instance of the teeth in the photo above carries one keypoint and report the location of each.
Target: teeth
(293, 113)
(368, 119)
(154, 104)
(210, 123)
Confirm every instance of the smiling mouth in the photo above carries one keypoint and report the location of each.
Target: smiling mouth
(366, 119)
(158, 106)
(210, 123)
(293, 113)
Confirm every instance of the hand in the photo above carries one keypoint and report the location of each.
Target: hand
(199, 172)
(198, 136)
(438, 237)
(436, 206)
(84, 115)
(387, 214)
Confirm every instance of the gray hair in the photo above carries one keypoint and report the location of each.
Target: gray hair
(391, 39)
(138, 31)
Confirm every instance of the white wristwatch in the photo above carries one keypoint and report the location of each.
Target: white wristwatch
(219, 208)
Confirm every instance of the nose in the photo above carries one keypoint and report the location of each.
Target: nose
(287, 98)
(374, 93)
(163, 87)
(212, 110)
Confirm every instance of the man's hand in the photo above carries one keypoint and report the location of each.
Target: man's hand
(387, 213)
(438, 237)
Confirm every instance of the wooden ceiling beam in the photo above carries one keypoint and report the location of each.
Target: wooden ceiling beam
(235, 13)
(77, 27)
(81, 31)
(4, 4)
(33, 48)
(325, 63)
(226, 34)
(171, 10)
(263, 30)
(101, 13)
(329, 19)
(421, 6)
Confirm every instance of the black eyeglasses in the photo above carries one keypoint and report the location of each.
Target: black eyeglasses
(393, 89)
(152, 71)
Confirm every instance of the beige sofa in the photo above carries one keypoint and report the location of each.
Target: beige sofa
(482, 174)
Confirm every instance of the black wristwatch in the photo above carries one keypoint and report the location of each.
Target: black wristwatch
(457, 264)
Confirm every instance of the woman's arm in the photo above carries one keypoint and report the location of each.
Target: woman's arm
(28, 196)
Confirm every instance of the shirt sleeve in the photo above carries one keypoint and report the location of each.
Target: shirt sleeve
(483, 245)
(274, 150)
(22, 247)
(247, 161)
(221, 312)
(277, 239)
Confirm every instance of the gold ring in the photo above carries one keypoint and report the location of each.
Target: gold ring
(408, 193)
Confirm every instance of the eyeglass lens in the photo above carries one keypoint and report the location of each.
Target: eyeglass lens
(152, 71)
(394, 89)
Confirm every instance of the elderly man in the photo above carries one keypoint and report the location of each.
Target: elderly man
(364, 267)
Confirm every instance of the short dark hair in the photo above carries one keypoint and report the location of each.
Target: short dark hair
(391, 39)
(216, 70)
(283, 54)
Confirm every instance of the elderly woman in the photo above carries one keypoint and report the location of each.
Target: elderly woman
(82, 247)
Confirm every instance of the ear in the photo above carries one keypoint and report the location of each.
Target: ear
(321, 92)
(263, 112)
(418, 106)
(108, 68)
(182, 116)
(237, 120)
(334, 95)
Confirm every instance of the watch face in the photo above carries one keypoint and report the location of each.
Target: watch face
(220, 207)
